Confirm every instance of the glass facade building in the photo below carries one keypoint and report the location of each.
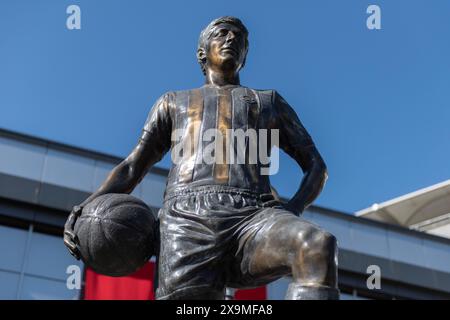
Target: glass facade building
(41, 180)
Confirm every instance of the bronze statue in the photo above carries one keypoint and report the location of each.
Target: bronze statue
(220, 224)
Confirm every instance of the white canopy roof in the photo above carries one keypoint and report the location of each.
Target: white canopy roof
(427, 209)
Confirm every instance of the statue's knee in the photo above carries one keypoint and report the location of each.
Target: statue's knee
(316, 246)
(329, 244)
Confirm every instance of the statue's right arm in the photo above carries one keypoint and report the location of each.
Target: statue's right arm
(129, 173)
(151, 147)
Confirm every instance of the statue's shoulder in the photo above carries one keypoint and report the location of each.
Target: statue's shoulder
(265, 95)
(184, 91)
(179, 95)
(264, 91)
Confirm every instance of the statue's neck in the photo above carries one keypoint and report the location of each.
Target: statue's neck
(221, 78)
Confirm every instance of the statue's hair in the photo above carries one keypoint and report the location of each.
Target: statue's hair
(207, 32)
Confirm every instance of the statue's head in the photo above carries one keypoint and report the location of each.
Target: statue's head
(223, 45)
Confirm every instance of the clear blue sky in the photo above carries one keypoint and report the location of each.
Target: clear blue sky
(377, 103)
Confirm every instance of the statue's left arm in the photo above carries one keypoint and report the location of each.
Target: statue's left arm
(297, 143)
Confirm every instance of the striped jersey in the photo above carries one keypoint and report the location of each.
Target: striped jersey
(223, 136)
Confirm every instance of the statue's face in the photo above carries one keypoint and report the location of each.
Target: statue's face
(226, 48)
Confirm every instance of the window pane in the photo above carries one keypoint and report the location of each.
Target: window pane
(43, 289)
(12, 248)
(8, 288)
(49, 257)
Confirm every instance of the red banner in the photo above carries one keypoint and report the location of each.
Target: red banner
(139, 286)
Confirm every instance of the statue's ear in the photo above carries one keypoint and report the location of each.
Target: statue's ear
(201, 55)
(243, 63)
(245, 59)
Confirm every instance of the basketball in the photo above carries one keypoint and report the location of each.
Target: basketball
(116, 234)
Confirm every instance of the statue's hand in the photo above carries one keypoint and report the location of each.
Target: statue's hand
(70, 238)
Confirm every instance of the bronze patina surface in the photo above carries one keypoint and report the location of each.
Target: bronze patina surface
(220, 224)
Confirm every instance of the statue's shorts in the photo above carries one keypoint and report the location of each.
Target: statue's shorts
(208, 238)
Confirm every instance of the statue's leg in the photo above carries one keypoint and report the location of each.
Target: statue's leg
(194, 293)
(286, 244)
(188, 259)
